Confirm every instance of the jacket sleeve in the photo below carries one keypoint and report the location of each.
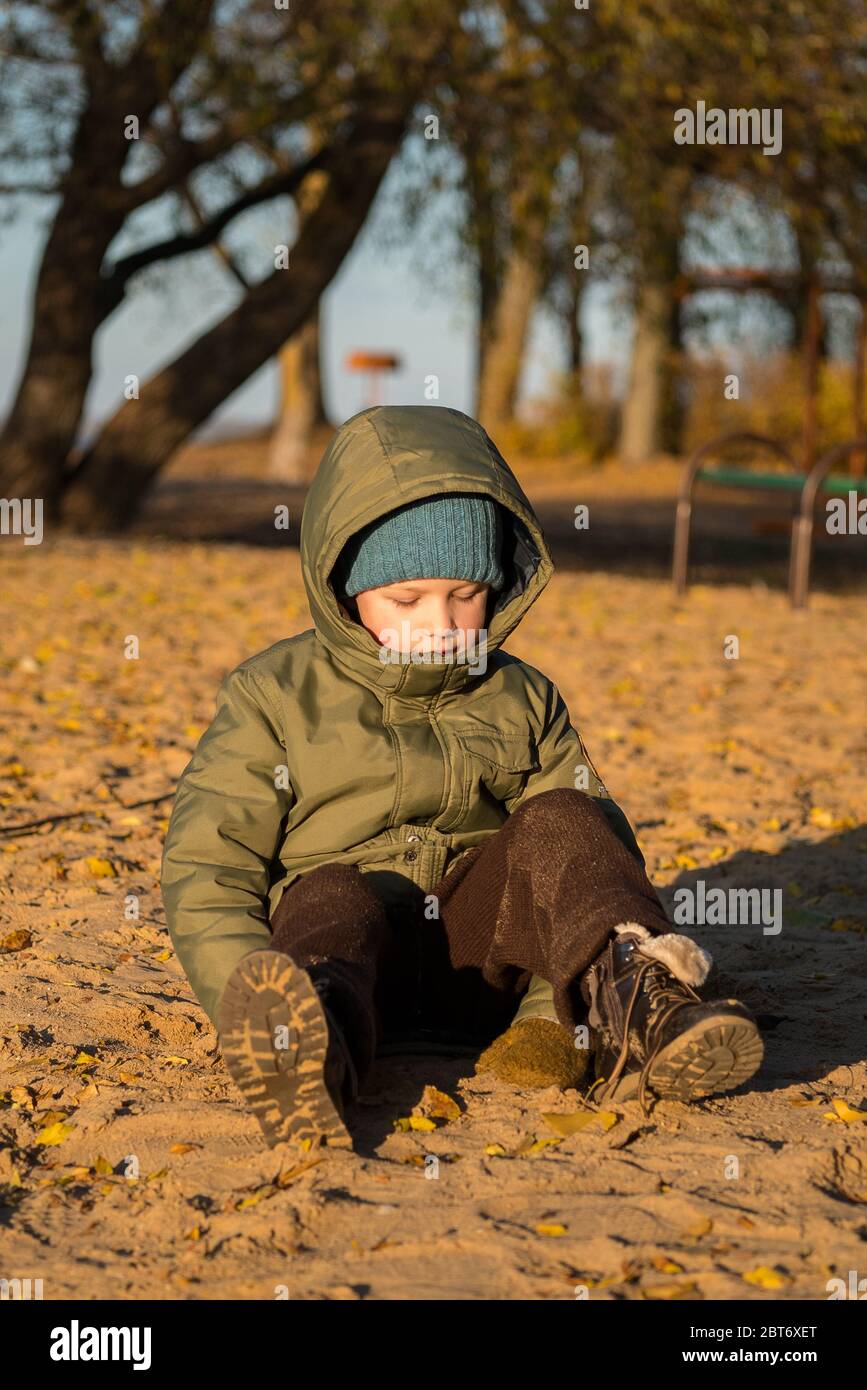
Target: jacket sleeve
(224, 831)
(564, 762)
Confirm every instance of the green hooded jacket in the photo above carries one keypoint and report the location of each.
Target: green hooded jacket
(321, 752)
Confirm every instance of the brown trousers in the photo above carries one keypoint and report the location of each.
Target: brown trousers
(541, 896)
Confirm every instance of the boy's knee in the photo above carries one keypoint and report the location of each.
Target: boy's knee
(545, 812)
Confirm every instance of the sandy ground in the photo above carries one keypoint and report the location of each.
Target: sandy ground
(742, 773)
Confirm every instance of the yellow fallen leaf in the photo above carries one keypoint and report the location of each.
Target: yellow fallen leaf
(250, 1201)
(407, 1122)
(844, 1113)
(571, 1123)
(799, 1100)
(193, 1234)
(856, 924)
(524, 1144)
(550, 1229)
(54, 1134)
(495, 1150)
(177, 1061)
(101, 868)
(86, 1059)
(766, 1278)
(290, 1174)
(538, 1145)
(16, 941)
(578, 1120)
(772, 823)
(666, 1264)
(438, 1105)
(685, 1289)
(184, 1148)
(162, 955)
(102, 1167)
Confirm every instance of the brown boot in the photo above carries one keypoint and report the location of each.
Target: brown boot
(535, 1052)
(654, 1031)
(286, 1051)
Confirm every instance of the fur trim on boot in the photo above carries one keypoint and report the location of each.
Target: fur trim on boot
(687, 961)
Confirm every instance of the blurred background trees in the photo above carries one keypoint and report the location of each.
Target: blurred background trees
(152, 129)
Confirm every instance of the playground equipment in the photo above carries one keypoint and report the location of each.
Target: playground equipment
(373, 363)
(789, 479)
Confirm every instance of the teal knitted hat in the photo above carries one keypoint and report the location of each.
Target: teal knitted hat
(454, 536)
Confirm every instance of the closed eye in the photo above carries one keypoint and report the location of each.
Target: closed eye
(410, 603)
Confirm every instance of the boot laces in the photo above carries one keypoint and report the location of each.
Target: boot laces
(667, 996)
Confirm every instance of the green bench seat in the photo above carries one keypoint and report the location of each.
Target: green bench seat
(788, 482)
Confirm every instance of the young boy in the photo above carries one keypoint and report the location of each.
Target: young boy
(392, 830)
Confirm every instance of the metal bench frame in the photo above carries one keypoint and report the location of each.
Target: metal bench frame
(802, 525)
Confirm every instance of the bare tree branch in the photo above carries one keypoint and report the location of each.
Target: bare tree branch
(274, 187)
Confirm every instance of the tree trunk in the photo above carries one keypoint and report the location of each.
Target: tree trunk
(504, 351)
(68, 307)
(115, 476)
(301, 410)
(574, 340)
(651, 415)
(813, 332)
(488, 257)
(71, 300)
(857, 461)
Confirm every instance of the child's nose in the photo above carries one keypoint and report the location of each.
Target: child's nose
(448, 618)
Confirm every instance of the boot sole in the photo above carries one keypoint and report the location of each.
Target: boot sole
(711, 1056)
(285, 1088)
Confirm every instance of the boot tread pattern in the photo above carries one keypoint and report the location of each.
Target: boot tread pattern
(701, 1061)
(285, 1088)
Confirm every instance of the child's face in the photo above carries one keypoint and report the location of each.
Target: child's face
(436, 614)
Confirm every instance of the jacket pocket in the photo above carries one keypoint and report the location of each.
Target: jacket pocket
(499, 762)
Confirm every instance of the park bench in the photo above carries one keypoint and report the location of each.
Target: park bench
(788, 478)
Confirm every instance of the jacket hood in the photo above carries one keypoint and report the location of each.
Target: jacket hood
(378, 460)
